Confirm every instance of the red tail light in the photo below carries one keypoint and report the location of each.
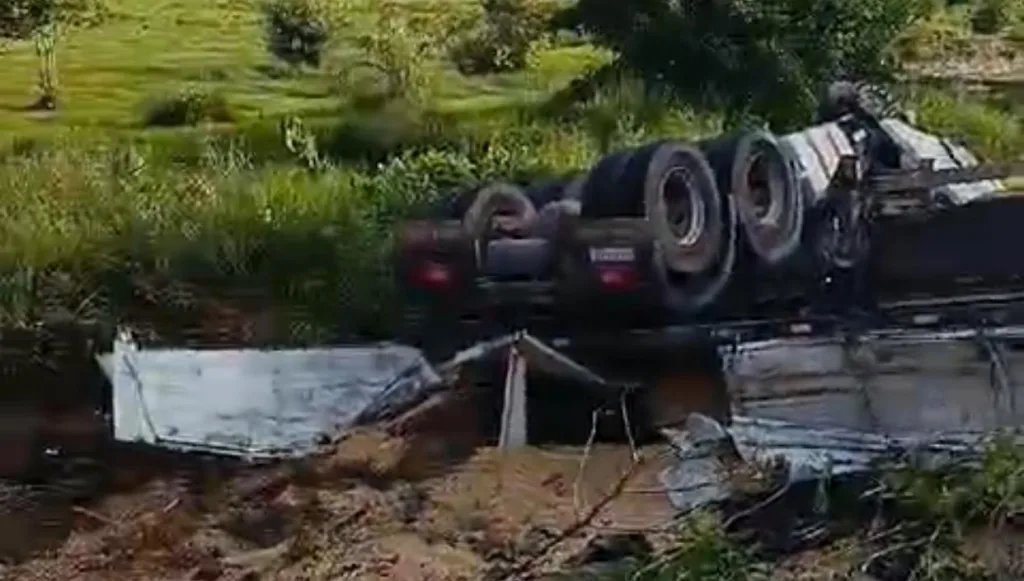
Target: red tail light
(433, 276)
(618, 278)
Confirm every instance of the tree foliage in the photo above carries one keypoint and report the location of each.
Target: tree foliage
(44, 22)
(297, 31)
(762, 58)
(399, 41)
(501, 39)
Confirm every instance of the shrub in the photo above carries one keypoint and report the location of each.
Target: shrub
(395, 46)
(190, 106)
(993, 16)
(501, 40)
(296, 31)
(943, 33)
(702, 551)
(764, 59)
(1016, 34)
(992, 133)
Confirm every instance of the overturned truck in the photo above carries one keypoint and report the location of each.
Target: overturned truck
(781, 248)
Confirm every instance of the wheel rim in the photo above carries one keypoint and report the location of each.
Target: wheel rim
(684, 209)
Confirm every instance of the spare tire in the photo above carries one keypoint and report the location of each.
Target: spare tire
(769, 205)
(499, 199)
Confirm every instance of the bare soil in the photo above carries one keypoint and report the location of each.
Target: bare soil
(394, 504)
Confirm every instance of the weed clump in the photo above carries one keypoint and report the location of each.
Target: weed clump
(188, 107)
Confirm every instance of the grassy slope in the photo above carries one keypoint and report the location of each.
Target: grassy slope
(155, 48)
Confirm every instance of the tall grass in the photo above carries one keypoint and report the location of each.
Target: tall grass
(82, 227)
(995, 133)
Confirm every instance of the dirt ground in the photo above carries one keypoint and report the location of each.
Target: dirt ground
(377, 506)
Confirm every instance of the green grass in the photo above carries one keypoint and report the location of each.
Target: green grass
(154, 49)
(81, 225)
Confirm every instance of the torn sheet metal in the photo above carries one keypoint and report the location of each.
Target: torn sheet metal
(254, 403)
(836, 405)
(890, 383)
(817, 150)
(917, 146)
(701, 476)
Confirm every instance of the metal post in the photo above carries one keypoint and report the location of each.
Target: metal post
(513, 415)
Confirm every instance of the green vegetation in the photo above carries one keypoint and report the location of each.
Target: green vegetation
(169, 157)
(926, 525)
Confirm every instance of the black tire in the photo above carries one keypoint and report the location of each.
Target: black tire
(552, 199)
(681, 201)
(772, 215)
(544, 192)
(495, 198)
(601, 194)
(689, 295)
(635, 183)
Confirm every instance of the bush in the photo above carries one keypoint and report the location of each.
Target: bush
(762, 59)
(188, 107)
(501, 41)
(395, 46)
(994, 16)
(992, 133)
(296, 31)
(1016, 34)
(943, 33)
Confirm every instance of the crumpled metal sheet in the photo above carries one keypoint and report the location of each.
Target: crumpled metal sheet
(916, 146)
(891, 383)
(262, 404)
(836, 405)
(817, 150)
(702, 476)
(254, 403)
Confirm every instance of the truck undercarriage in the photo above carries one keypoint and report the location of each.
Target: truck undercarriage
(848, 231)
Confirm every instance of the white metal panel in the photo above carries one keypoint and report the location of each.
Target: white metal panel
(916, 145)
(257, 403)
(889, 384)
(817, 151)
